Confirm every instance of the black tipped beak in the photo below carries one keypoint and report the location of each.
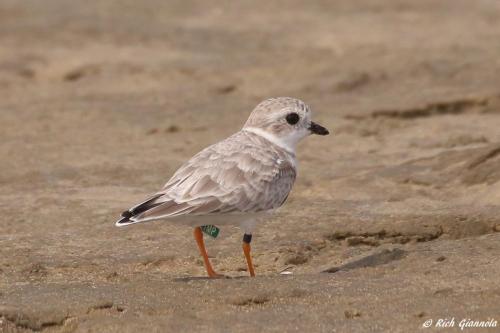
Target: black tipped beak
(318, 129)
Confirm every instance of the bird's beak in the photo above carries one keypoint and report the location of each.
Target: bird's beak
(318, 129)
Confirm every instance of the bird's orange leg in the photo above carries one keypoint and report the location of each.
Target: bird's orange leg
(247, 238)
(198, 235)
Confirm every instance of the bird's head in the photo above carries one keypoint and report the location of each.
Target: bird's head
(283, 121)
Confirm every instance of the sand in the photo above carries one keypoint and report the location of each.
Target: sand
(394, 218)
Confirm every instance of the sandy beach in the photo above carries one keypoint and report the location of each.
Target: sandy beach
(394, 219)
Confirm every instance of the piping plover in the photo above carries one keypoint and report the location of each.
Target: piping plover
(236, 180)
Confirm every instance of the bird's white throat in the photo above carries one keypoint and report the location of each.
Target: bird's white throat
(287, 143)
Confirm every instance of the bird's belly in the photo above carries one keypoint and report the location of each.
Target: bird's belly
(236, 219)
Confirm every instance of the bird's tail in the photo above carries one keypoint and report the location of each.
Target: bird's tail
(127, 217)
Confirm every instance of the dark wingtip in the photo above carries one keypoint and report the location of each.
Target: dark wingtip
(127, 214)
(137, 210)
(122, 221)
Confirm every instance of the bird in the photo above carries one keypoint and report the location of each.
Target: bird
(236, 181)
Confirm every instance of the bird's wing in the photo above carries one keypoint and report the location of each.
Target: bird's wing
(221, 179)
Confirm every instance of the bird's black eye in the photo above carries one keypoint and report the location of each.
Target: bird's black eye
(292, 118)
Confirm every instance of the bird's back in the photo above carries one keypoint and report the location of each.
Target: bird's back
(244, 173)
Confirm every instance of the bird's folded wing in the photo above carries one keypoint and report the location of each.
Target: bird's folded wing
(215, 182)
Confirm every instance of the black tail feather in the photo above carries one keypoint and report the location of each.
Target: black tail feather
(146, 205)
(141, 208)
(123, 220)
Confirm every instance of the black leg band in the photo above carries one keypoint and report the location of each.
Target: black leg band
(247, 238)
